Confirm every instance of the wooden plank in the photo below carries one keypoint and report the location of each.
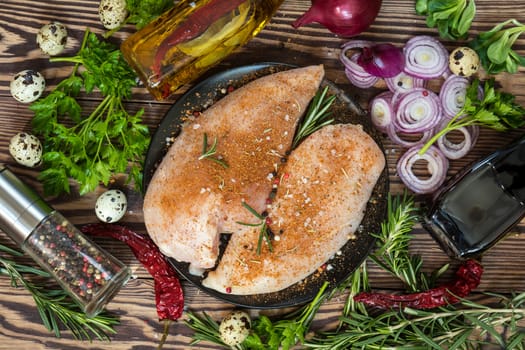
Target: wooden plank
(20, 326)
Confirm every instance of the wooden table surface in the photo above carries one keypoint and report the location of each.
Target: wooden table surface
(20, 325)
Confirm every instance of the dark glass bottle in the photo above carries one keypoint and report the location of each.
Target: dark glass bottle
(476, 208)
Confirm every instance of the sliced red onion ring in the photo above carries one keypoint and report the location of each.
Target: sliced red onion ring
(404, 82)
(436, 167)
(417, 111)
(407, 140)
(452, 95)
(457, 150)
(425, 57)
(381, 110)
(354, 72)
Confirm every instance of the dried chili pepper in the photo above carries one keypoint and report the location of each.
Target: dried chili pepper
(468, 277)
(193, 26)
(169, 297)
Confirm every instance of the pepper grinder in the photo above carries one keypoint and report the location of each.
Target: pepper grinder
(90, 275)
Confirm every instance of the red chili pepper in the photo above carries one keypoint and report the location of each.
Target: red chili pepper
(193, 26)
(169, 297)
(468, 277)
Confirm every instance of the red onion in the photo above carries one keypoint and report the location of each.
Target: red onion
(354, 72)
(382, 60)
(426, 57)
(343, 17)
(452, 95)
(381, 110)
(436, 166)
(417, 111)
(457, 150)
(404, 82)
(407, 140)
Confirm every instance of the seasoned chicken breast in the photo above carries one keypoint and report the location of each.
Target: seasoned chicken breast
(193, 197)
(320, 202)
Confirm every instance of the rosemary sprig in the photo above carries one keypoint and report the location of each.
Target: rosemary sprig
(208, 153)
(56, 309)
(315, 117)
(452, 327)
(392, 253)
(263, 232)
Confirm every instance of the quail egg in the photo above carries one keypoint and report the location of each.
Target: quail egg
(463, 61)
(26, 149)
(235, 328)
(52, 38)
(112, 13)
(111, 206)
(27, 86)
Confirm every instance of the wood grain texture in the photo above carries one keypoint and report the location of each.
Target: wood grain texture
(20, 326)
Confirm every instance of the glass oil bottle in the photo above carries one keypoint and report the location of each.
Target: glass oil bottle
(193, 36)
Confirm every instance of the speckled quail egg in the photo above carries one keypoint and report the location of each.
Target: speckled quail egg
(52, 38)
(27, 86)
(112, 13)
(111, 206)
(463, 61)
(235, 328)
(26, 149)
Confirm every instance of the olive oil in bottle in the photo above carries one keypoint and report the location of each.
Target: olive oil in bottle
(193, 36)
(479, 206)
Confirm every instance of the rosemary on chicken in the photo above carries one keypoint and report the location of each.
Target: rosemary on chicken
(316, 116)
(466, 325)
(263, 224)
(56, 309)
(209, 153)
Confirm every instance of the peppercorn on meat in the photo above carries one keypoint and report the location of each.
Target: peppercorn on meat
(320, 202)
(222, 158)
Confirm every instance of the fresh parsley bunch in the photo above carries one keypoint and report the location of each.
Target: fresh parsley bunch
(90, 147)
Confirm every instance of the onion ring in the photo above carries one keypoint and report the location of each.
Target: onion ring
(425, 57)
(437, 166)
(453, 150)
(354, 72)
(404, 82)
(396, 137)
(452, 95)
(381, 110)
(417, 111)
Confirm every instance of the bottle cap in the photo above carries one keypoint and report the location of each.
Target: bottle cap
(21, 208)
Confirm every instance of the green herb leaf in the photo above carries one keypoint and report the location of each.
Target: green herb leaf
(142, 12)
(315, 117)
(263, 232)
(452, 18)
(495, 47)
(209, 153)
(495, 109)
